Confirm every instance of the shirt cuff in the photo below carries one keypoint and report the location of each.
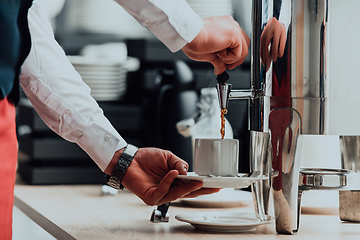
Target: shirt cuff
(100, 144)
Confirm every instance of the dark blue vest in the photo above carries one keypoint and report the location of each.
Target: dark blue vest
(14, 45)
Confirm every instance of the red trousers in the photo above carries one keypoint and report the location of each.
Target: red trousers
(8, 160)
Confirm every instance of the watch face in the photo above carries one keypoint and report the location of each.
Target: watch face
(129, 152)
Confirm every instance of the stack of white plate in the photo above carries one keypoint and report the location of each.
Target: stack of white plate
(106, 78)
(208, 8)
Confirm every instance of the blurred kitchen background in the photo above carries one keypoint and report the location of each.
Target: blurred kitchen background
(143, 88)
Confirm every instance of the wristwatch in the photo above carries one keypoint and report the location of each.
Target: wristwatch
(122, 165)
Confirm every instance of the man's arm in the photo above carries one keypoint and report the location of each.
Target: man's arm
(61, 98)
(218, 40)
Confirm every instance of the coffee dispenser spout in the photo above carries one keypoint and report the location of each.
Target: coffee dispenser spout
(225, 93)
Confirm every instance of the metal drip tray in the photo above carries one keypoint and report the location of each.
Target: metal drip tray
(323, 179)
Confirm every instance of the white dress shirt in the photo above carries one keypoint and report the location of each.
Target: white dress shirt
(63, 100)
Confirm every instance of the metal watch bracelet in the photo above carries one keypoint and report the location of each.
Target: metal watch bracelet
(121, 167)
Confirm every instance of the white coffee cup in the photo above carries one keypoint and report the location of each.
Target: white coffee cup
(219, 157)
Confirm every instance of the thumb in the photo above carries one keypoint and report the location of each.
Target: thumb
(163, 188)
(182, 167)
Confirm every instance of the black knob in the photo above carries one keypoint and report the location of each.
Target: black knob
(222, 78)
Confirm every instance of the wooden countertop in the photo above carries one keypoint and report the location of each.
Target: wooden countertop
(80, 212)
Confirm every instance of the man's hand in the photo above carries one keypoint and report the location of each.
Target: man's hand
(152, 177)
(272, 42)
(221, 42)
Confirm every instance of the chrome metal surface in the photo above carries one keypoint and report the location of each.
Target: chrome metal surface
(160, 214)
(223, 91)
(292, 94)
(323, 179)
(253, 174)
(350, 152)
(300, 72)
(157, 217)
(285, 129)
(300, 77)
(260, 155)
(241, 94)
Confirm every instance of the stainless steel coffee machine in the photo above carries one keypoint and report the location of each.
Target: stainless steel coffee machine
(293, 94)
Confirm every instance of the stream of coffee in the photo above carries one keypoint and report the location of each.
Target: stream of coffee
(222, 129)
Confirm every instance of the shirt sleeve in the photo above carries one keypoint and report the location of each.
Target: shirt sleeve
(61, 98)
(173, 22)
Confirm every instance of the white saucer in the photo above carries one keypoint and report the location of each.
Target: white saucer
(223, 182)
(225, 198)
(218, 221)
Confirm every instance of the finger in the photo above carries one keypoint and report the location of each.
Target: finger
(245, 52)
(263, 39)
(230, 55)
(239, 51)
(180, 191)
(275, 46)
(282, 42)
(267, 61)
(219, 65)
(234, 65)
(163, 188)
(262, 57)
(202, 191)
(202, 57)
(267, 67)
(265, 53)
(174, 162)
(247, 38)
